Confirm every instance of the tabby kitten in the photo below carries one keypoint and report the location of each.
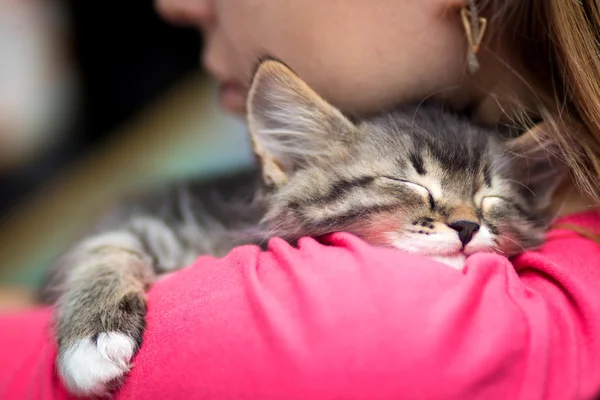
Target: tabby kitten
(416, 179)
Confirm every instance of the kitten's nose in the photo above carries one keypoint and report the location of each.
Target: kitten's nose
(465, 229)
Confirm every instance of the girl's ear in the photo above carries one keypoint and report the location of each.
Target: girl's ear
(538, 164)
(290, 125)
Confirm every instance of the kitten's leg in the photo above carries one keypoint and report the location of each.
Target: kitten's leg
(100, 314)
(101, 306)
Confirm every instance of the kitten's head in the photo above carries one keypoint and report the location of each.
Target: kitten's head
(420, 180)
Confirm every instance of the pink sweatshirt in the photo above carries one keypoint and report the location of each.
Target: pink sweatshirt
(343, 320)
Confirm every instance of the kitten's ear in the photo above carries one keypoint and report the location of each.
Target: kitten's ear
(538, 164)
(291, 126)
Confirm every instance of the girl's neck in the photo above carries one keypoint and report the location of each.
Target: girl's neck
(569, 200)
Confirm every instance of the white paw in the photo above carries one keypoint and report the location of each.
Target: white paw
(88, 367)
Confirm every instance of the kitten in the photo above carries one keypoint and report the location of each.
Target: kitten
(416, 179)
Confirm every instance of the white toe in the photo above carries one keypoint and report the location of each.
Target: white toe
(87, 367)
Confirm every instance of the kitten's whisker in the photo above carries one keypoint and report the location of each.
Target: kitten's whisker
(446, 89)
(270, 233)
(521, 184)
(499, 167)
(490, 248)
(495, 248)
(512, 240)
(393, 122)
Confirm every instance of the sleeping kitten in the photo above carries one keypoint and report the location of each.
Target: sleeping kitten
(419, 180)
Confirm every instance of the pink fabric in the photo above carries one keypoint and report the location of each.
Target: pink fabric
(343, 320)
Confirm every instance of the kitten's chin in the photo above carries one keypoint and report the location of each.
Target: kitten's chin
(455, 261)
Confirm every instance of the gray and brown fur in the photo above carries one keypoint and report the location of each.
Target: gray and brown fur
(411, 171)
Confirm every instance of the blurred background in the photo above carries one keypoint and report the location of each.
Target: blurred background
(95, 102)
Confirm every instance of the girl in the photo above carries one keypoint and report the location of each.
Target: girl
(350, 321)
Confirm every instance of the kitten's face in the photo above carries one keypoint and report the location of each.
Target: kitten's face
(421, 181)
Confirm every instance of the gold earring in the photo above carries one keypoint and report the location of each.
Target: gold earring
(474, 29)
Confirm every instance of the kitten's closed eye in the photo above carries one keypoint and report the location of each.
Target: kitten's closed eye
(507, 208)
(488, 203)
(420, 190)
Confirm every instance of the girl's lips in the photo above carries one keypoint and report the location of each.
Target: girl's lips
(232, 97)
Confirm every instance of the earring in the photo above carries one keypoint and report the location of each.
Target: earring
(474, 29)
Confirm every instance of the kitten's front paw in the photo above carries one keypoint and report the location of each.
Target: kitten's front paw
(92, 366)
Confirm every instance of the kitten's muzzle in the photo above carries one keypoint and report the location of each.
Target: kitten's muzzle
(465, 230)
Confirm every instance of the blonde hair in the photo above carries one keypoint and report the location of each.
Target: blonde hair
(557, 48)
